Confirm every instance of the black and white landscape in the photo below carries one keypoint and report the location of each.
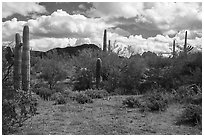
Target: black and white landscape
(101, 68)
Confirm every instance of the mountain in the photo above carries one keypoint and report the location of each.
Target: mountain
(67, 50)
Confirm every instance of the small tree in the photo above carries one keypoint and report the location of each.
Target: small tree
(52, 71)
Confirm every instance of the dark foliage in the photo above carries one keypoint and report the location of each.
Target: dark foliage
(191, 115)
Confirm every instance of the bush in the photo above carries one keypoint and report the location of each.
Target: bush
(149, 102)
(11, 118)
(44, 93)
(96, 93)
(84, 73)
(132, 102)
(55, 96)
(52, 71)
(81, 97)
(60, 100)
(131, 74)
(188, 93)
(155, 102)
(59, 88)
(192, 115)
(82, 79)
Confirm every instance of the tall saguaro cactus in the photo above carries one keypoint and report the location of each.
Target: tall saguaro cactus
(104, 41)
(174, 48)
(109, 45)
(98, 72)
(185, 45)
(17, 63)
(26, 60)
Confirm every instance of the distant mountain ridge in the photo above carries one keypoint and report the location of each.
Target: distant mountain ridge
(67, 50)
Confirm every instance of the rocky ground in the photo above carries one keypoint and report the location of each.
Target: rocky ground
(103, 117)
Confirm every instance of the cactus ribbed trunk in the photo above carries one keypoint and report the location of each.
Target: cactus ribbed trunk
(109, 46)
(98, 72)
(104, 41)
(26, 60)
(17, 63)
(174, 48)
(185, 45)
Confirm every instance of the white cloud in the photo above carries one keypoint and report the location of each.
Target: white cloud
(23, 8)
(83, 41)
(157, 44)
(57, 25)
(44, 44)
(165, 17)
(10, 28)
(175, 16)
(115, 9)
(61, 29)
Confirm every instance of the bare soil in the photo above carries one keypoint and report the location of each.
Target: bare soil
(103, 117)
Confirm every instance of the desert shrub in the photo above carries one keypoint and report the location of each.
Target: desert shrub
(188, 93)
(52, 71)
(96, 93)
(131, 74)
(192, 114)
(58, 98)
(84, 66)
(132, 102)
(16, 110)
(111, 66)
(155, 102)
(82, 79)
(81, 97)
(59, 88)
(9, 116)
(55, 95)
(44, 93)
(66, 92)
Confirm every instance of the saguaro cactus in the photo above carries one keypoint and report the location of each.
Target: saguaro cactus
(185, 45)
(174, 48)
(17, 62)
(98, 72)
(109, 45)
(104, 41)
(26, 60)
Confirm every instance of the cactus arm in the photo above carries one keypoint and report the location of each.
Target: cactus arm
(17, 63)
(26, 60)
(98, 72)
(185, 45)
(174, 48)
(104, 41)
(189, 48)
(109, 45)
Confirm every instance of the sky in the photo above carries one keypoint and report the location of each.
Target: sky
(144, 26)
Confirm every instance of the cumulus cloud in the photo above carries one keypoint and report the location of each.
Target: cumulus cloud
(151, 18)
(176, 16)
(157, 44)
(115, 9)
(22, 8)
(62, 24)
(10, 27)
(59, 24)
(83, 41)
(44, 44)
(61, 29)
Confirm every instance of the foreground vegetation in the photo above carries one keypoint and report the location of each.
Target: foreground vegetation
(146, 83)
